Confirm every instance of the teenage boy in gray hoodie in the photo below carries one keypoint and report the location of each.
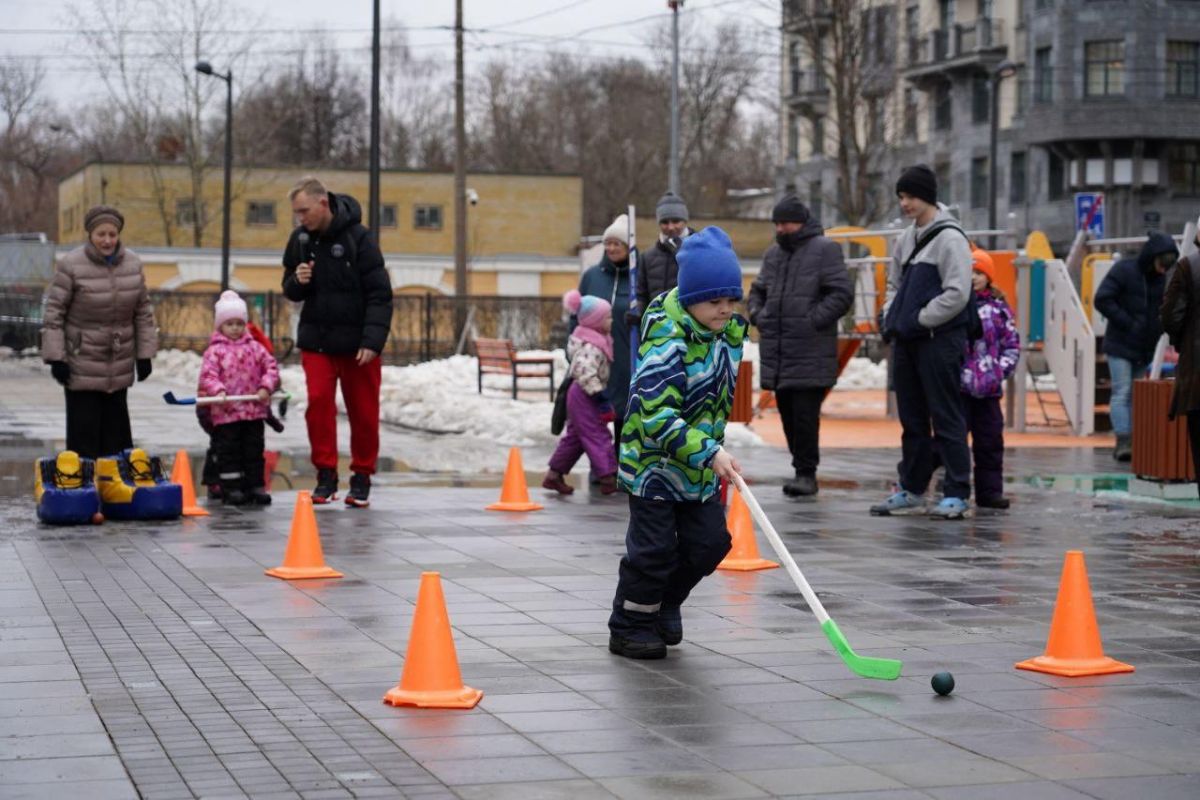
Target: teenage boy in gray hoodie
(926, 318)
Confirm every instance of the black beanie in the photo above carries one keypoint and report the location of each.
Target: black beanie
(919, 182)
(790, 209)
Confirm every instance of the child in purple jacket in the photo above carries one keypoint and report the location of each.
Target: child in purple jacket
(989, 361)
(236, 364)
(589, 411)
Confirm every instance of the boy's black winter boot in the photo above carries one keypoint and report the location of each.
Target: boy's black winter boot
(259, 496)
(360, 490)
(992, 502)
(670, 625)
(233, 497)
(214, 491)
(644, 650)
(327, 485)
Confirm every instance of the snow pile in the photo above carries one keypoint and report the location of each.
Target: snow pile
(862, 374)
(442, 397)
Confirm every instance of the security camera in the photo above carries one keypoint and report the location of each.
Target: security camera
(472, 197)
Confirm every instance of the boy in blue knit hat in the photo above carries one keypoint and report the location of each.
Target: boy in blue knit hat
(670, 453)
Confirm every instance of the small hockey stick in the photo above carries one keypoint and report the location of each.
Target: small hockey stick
(172, 400)
(884, 669)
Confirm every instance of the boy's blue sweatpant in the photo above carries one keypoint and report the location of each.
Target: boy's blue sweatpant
(669, 546)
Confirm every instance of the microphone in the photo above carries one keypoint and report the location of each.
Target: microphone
(302, 241)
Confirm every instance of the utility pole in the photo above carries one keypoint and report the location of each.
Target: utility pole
(460, 168)
(673, 175)
(373, 189)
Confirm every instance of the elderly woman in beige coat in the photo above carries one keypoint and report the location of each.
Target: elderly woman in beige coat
(97, 333)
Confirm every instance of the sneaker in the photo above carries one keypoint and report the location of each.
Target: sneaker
(670, 625)
(801, 486)
(640, 650)
(327, 485)
(555, 480)
(360, 490)
(899, 504)
(992, 502)
(951, 508)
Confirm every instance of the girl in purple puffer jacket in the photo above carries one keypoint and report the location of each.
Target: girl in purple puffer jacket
(989, 361)
(236, 364)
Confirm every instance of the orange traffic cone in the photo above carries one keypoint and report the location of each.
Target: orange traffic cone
(181, 473)
(431, 678)
(303, 558)
(514, 495)
(1074, 648)
(743, 556)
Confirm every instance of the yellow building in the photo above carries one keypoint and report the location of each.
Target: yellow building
(523, 231)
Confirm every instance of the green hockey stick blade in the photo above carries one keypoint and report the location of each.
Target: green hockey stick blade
(881, 669)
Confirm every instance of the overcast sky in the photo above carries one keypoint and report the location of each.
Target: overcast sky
(595, 28)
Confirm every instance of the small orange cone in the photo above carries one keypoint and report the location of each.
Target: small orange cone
(514, 495)
(1074, 648)
(303, 557)
(743, 556)
(181, 473)
(431, 678)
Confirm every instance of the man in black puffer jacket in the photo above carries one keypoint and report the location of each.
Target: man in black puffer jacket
(796, 302)
(1130, 297)
(657, 270)
(333, 264)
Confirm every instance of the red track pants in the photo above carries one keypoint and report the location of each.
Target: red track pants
(360, 392)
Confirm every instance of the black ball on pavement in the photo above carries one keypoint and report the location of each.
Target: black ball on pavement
(942, 683)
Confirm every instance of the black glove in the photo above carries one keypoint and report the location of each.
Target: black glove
(61, 372)
(144, 367)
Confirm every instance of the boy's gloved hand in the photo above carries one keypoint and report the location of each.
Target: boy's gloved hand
(61, 372)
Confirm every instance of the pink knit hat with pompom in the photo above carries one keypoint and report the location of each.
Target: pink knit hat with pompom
(229, 306)
(591, 311)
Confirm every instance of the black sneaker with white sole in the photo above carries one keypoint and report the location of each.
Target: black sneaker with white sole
(327, 486)
(360, 490)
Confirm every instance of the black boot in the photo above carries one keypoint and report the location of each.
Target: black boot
(640, 650)
(259, 496)
(1124, 449)
(803, 485)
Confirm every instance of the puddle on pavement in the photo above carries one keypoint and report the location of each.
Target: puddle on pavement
(1115, 487)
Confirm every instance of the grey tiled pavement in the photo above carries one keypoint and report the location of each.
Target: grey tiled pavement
(156, 660)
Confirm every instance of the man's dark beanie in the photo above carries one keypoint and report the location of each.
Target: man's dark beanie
(919, 182)
(790, 209)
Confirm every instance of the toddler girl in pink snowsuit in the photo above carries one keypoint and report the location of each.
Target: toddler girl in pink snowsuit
(590, 349)
(236, 364)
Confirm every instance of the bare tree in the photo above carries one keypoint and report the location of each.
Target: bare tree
(150, 77)
(845, 43)
(29, 166)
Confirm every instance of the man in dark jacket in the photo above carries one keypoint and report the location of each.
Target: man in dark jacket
(797, 300)
(333, 264)
(657, 271)
(1130, 296)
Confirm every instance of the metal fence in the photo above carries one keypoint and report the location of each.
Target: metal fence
(424, 326)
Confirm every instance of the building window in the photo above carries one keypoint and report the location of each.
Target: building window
(979, 182)
(793, 137)
(941, 170)
(794, 66)
(818, 136)
(1183, 67)
(984, 9)
(1104, 68)
(981, 98)
(815, 199)
(260, 212)
(185, 213)
(942, 107)
(1183, 170)
(912, 31)
(1043, 76)
(910, 113)
(388, 218)
(427, 218)
(1016, 179)
(1056, 178)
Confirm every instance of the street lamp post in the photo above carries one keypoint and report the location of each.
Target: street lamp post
(673, 173)
(205, 68)
(1005, 69)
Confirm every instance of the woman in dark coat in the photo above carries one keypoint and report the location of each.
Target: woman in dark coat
(611, 281)
(1181, 321)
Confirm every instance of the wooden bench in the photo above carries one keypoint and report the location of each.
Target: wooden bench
(498, 357)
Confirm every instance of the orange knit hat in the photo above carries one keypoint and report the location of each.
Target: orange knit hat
(982, 262)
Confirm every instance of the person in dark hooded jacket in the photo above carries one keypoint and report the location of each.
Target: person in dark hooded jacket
(333, 264)
(1130, 297)
(658, 271)
(800, 294)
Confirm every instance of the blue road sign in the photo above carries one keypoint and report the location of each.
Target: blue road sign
(1089, 213)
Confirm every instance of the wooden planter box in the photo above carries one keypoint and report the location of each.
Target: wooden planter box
(1161, 451)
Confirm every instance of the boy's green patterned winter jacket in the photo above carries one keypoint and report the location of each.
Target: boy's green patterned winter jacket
(679, 402)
